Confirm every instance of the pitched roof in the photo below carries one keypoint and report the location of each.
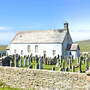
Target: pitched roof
(74, 47)
(44, 36)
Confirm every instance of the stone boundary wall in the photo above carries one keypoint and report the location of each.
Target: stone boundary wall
(43, 79)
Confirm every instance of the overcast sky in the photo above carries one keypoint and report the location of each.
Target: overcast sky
(18, 15)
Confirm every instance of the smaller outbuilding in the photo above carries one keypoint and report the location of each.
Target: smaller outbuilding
(74, 50)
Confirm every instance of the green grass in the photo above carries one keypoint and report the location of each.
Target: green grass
(3, 86)
(84, 45)
(45, 67)
(49, 67)
(3, 47)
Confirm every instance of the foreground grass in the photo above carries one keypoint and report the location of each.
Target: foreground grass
(3, 86)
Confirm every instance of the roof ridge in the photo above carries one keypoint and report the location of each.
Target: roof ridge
(41, 30)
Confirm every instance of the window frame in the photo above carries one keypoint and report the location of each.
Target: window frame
(54, 52)
(36, 48)
(21, 52)
(28, 48)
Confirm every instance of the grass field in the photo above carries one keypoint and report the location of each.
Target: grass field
(45, 67)
(3, 86)
(49, 67)
(3, 47)
(84, 45)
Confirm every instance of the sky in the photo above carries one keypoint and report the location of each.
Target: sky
(19, 15)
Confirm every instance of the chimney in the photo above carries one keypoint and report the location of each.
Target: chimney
(66, 26)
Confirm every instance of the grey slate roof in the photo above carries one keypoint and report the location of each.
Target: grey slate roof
(73, 47)
(44, 36)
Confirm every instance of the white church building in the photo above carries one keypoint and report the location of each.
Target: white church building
(47, 43)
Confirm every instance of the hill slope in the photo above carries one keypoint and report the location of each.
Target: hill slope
(84, 45)
(3, 47)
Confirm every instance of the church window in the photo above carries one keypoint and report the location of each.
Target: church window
(20, 36)
(36, 48)
(44, 52)
(28, 48)
(21, 52)
(14, 50)
(54, 52)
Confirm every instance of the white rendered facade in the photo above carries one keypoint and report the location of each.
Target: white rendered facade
(50, 50)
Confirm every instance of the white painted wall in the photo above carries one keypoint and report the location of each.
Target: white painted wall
(76, 53)
(41, 47)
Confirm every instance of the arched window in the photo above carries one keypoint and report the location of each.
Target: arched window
(21, 52)
(36, 48)
(54, 52)
(28, 48)
(15, 51)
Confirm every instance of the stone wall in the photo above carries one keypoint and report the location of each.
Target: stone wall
(43, 79)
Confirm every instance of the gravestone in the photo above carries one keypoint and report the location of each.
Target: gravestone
(37, 66)
(53, 68)
(63, 66)
(16, 62)
(58, 57)
(78, 59)
(30, 66)
(29, 60)
(25, 62)
(67, 69)
(41, 63)
(80, 69)
(70, 65)
(45, 61)
(84, 61)
(81, 58)
(19, 57)
(87, 67)
(37, 59)
(21, 63)
(50, 62)
(73, 68)
(57, 65)
(61, 69)
(11, 63)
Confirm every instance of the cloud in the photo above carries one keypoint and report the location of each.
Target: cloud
(6, 37)
(5, 28)
(2, 28)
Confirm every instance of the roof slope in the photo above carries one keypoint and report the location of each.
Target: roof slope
(73, 47)
(44, 36)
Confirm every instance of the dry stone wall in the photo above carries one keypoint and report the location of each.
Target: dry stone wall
(43, 79)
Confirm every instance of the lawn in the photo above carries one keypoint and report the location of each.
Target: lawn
(84, 45)
(3, 86)
(33, 63)
(49, 67)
